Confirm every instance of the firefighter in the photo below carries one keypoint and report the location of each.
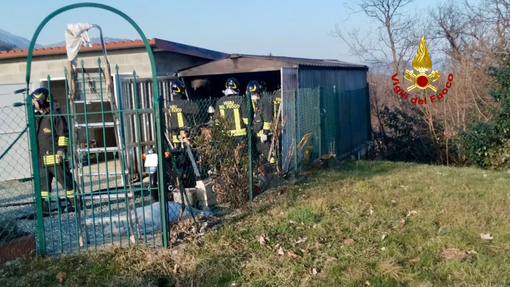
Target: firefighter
(262, 120)
(52, 141)
(232, 106)
(181, 114)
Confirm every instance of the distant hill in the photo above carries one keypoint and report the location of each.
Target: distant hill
(9, 42)
(93, 40)
(17, 41)
(4, 46)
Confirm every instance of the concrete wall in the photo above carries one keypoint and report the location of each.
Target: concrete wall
(13, 70)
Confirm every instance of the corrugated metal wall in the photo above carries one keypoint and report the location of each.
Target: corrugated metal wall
(345, 107)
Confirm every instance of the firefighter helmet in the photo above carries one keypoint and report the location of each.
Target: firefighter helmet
(177, 88)
(233, 84)
(253, 87)
(42, 96)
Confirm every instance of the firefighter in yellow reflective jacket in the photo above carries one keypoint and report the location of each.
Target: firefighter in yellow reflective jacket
(262, 120)
(52, 141)
(232, 107)
(181, 113)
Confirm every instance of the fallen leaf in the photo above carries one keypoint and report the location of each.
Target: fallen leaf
(453, 253)
(471, 251)
(236, 245)
(383, 248)
(348, 241)
(371, 211)
(60, 277)
(367, 283)
(412, 212)
(330, 259)
(317, 244)
(384, 236)
(292, 222)
(393, 201)
(175, 269)
(292, 254)
(304, 250)
(486, 236)
(402, 222)
(314, 271)
(414, 260)
(315, 226)
(280, 251)
(262, 241)
(301, 240)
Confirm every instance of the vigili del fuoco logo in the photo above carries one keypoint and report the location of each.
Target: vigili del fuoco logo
(422, 63)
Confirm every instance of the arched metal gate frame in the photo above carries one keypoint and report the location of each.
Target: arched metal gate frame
(157, 101)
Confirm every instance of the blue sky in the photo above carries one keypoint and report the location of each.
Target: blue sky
(298, 28)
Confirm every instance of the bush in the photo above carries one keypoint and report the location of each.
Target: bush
(405, 136)
(487, 144)
(229, 164)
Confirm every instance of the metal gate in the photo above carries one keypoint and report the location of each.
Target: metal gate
(95, 195)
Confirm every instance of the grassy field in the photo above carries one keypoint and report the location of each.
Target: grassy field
(365, 224)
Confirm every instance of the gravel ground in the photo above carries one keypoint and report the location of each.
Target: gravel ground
(16, 202)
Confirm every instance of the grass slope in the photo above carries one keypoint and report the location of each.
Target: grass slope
(366, 224)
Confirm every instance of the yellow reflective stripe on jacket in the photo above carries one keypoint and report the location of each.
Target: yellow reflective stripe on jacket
(237, 119)
(180, 120)
(259, 134)
(51, 159)
(63, 141)
(267, 126)
(69, 193)
(45, 194)
(240, 132)
(175, 139)
(222, 113)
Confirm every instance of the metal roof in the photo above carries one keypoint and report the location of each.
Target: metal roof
(239, 63)
(155, 43)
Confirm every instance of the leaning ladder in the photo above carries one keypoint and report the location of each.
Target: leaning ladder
(120, 148)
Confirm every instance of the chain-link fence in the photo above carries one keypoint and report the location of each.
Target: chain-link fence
(16, 187)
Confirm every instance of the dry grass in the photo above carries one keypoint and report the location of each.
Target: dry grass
(366, 224)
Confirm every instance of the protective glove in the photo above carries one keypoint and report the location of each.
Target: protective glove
(263, 138)
(60, 156)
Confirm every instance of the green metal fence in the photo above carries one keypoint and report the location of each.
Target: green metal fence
(110, 138)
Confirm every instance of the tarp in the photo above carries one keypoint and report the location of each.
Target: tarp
(76, 36)
(151, 214)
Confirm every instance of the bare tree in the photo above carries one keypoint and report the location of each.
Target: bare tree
(396, 34)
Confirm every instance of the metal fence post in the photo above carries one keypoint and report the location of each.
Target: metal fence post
(162, 180)
(319, 136)
(249, 135)
(295, 132)
(41, 246)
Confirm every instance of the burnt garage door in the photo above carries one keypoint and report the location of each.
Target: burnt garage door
(16, 162)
